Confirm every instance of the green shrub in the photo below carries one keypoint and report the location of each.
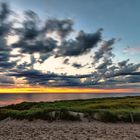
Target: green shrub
(136, 116)
(105, 116)
(124, 116)
(66, 115)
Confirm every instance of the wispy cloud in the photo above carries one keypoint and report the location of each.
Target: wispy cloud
(132, 50)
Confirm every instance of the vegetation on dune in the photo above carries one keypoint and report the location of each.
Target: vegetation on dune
(125, 109)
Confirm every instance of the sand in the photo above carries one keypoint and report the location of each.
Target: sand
(43, 130)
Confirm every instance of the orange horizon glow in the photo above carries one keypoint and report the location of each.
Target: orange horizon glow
(65, 90)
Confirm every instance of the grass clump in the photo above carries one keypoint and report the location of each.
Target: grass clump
(65, 114)
(105, 116)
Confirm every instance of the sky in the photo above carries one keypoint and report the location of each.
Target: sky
(92, 45)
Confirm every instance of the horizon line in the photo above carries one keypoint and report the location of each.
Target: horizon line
(64, 90)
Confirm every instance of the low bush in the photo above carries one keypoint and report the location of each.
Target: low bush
(105, 116)
(69, 116)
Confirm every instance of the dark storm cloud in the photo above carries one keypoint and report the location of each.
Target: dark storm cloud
(116, 74)
(35, 77)
(6, 80)
(131, 73)
(104, 51)
(104, 64)
(30, 28)
(4, 54)
(124, 68)
(5, 65)
(26, 65)
(5, 27)
(41, 46)
(133, 79)
(34, 39)
(123, 63)
(63, 27)
(4, 11)
(82, 44)
(119, 82)
(37, 74)
(126, 73)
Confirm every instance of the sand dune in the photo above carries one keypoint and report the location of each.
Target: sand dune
(42, 130)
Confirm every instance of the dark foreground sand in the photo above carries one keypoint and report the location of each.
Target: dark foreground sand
(42, 130)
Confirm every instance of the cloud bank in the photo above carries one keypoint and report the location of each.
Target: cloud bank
(52, 38)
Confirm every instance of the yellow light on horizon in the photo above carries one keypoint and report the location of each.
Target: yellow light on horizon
(60, 90)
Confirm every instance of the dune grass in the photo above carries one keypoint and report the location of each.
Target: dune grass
(126, 109)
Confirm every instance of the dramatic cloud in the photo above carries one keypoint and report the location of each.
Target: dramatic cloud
(133, 79)
(39, 41)
(30, 28)
(4, 12)
(41, 46)
(104, 51)
(124, 68)
(5, 80)
(104, 64)
(82, 44)
(35, 77)
(32, 39)
(5, 27)
(62, 27)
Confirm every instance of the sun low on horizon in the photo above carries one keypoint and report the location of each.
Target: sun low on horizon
(60, 48)
(62, 90)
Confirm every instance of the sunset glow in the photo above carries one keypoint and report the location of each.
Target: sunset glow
(42, 53)
(63, 90)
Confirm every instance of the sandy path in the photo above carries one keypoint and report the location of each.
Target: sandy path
(42, 130)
